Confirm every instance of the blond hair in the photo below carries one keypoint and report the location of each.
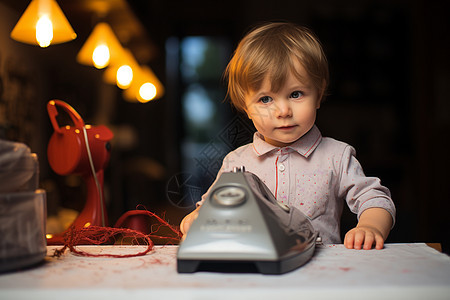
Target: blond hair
(271, 50)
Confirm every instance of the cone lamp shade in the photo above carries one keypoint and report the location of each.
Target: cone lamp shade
(43, 23)
(122, 71)
(101, 47)
(145, 87)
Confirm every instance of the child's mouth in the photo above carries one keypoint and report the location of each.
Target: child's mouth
(286, 128)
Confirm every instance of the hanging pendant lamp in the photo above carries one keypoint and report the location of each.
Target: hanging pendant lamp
(101, 48)
(122, 72)
(43, 23)
(145, 87)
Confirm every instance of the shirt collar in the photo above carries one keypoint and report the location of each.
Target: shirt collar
(304, 145)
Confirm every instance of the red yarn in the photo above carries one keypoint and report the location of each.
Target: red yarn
(98, 235)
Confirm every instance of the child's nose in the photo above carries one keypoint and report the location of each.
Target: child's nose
(284, 109)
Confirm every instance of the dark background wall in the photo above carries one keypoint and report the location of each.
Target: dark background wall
(390, 78)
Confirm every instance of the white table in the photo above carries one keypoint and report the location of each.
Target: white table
(400, 271)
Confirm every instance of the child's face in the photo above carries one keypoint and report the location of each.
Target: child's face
(285, 116)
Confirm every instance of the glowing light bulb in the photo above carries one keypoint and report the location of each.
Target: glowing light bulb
(44, 31)
(147, 91)
(124, 76)
(101, 56)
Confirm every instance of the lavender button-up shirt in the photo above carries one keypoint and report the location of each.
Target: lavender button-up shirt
(316, 175)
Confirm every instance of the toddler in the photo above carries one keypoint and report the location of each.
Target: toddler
(278, 77)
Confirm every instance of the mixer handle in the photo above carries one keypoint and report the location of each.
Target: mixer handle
(53, 112)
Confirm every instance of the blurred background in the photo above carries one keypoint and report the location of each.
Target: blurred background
(388, 97)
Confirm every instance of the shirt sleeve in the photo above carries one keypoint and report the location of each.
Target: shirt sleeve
(359, 191)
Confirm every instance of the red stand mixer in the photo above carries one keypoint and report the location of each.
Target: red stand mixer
(83, 150)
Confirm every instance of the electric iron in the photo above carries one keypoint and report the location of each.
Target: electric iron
(241, 227)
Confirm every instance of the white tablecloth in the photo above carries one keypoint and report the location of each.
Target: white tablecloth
(400, 271)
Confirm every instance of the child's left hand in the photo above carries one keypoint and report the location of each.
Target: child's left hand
(373, 228)
(363, 237)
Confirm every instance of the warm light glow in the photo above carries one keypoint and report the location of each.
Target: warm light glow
(124, 76)
(101, 56)
(44, 31)
(122, 72)
(87, 224)
(49, 236)
(145, 86)
(101, 48)
(43, 23)
(147, 91)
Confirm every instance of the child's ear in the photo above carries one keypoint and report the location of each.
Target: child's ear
(321, 94)
(319, 98)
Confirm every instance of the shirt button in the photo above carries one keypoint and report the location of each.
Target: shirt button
(281, 168)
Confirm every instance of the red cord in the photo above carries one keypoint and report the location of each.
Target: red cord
(98, 235)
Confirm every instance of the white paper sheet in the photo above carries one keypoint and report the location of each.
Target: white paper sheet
(402, 271)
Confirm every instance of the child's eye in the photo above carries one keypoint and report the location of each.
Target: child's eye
(296, 94)
(265, 99)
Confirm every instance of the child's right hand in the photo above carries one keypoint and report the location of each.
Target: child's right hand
(187, 222)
